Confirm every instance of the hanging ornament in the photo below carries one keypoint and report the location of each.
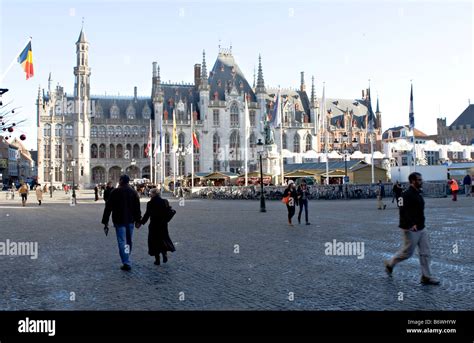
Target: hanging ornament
(10, 129)
(23, 137)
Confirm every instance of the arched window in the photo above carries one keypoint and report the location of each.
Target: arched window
(59, 130)
(252, 142)
(143, 131)
(47, 130)
(309, 141)
(234, 144)
(216, 143)
(285, 141)
(128, 151)
(112, 151)
(102, 131)
(126, 131)
(94, 131)
(102, 152)
(234, 115)
(135, 131)
(118, 131)
(167, 143)
(146, 113)
(195, 148)
(111, 131)
(99, 112)
(252, 118)
(94, 151)
(114, 112)
(136, 151)
(131, 112)
(181, 166)
(181, 138)
(69, 130)
(119, 151)
(296, 143)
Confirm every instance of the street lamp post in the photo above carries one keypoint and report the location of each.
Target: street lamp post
(51, 182)
(262, 196)
(73, 164)
(346, 149)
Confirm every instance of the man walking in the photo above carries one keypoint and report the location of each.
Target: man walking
(23, 193)
(380, 195)
(39, 194)
(412, 222)
(124, 205)
(454, 188)
(467, 184)
(108, 189)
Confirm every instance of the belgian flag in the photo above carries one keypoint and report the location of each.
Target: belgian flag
(26, 60)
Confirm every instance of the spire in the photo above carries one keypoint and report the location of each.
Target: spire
(377, 110)
(204, 82)
(254, 77)
(49, 82)
(302, 85)
(260, 83)
(313, 93)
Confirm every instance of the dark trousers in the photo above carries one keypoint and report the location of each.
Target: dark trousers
(303, 203)
(455, 195)
(291, 212)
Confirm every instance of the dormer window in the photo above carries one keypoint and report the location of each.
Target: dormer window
(131, 112)
(114, 112)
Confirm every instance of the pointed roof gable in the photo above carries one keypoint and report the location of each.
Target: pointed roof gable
(465, 118)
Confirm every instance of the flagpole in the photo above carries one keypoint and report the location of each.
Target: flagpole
(412, 127)
(326, 140)
(281, 140)
(246, 133)
(150, 152)
(192, 148)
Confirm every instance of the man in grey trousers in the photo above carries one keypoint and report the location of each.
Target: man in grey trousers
(412, 223)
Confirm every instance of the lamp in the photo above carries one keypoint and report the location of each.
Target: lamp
(262, 196)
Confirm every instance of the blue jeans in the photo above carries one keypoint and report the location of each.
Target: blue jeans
(124, 239)
(303, 203)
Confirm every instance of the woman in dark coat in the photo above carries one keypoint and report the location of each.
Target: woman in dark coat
(291, 191)
(159, 241)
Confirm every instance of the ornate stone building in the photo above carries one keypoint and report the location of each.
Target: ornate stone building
(108, 135)
(461, 130)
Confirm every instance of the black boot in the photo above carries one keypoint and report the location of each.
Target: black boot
(165, 257)
(157, 259)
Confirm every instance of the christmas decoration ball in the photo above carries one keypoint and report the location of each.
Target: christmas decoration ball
(23, 137)
(10, 129)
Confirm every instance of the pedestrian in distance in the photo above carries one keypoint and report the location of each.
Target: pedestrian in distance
(397, 192)
(303, 196)
(159, 211)
(380, 195)
(124, 205)
(453, 184)
(467, 182)
(96, 192)
(39, 194)
(290, 198)
(23, 191)
(412, 223)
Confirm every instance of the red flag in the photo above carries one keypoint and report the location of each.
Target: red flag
(195, 141)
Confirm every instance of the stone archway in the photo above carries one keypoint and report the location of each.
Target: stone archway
(114, 174)
(146, 172)
(133, 172)
(98, 175)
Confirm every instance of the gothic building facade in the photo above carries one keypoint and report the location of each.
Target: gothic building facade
(108, 135)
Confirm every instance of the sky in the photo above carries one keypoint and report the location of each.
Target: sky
(342, 43)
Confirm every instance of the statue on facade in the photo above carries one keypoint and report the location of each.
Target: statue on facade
(269, 139)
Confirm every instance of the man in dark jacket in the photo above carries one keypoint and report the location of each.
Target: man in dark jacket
(124, 204)
(467, 184)
(412, 222)
(303, 195)
(108, 190)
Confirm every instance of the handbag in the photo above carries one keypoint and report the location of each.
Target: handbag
(285, 200)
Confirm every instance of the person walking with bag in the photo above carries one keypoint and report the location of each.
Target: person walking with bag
(23, 191)
(290, 198)
(124, 205)
(303, 195)
(159, 211)
(412, 222)
(454, 188)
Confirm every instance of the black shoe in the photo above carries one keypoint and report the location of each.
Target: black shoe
(126, 267)
(384, 207)
(388, 268)
(165, 258)
(308, 223)
(157, 260)
(429, 281)
(299, 221)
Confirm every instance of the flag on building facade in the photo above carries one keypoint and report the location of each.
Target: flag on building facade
(26, 60)
(195, 141)
(275, 120)
(175, 133)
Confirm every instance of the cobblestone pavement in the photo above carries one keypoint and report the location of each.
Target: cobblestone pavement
(274, 262)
